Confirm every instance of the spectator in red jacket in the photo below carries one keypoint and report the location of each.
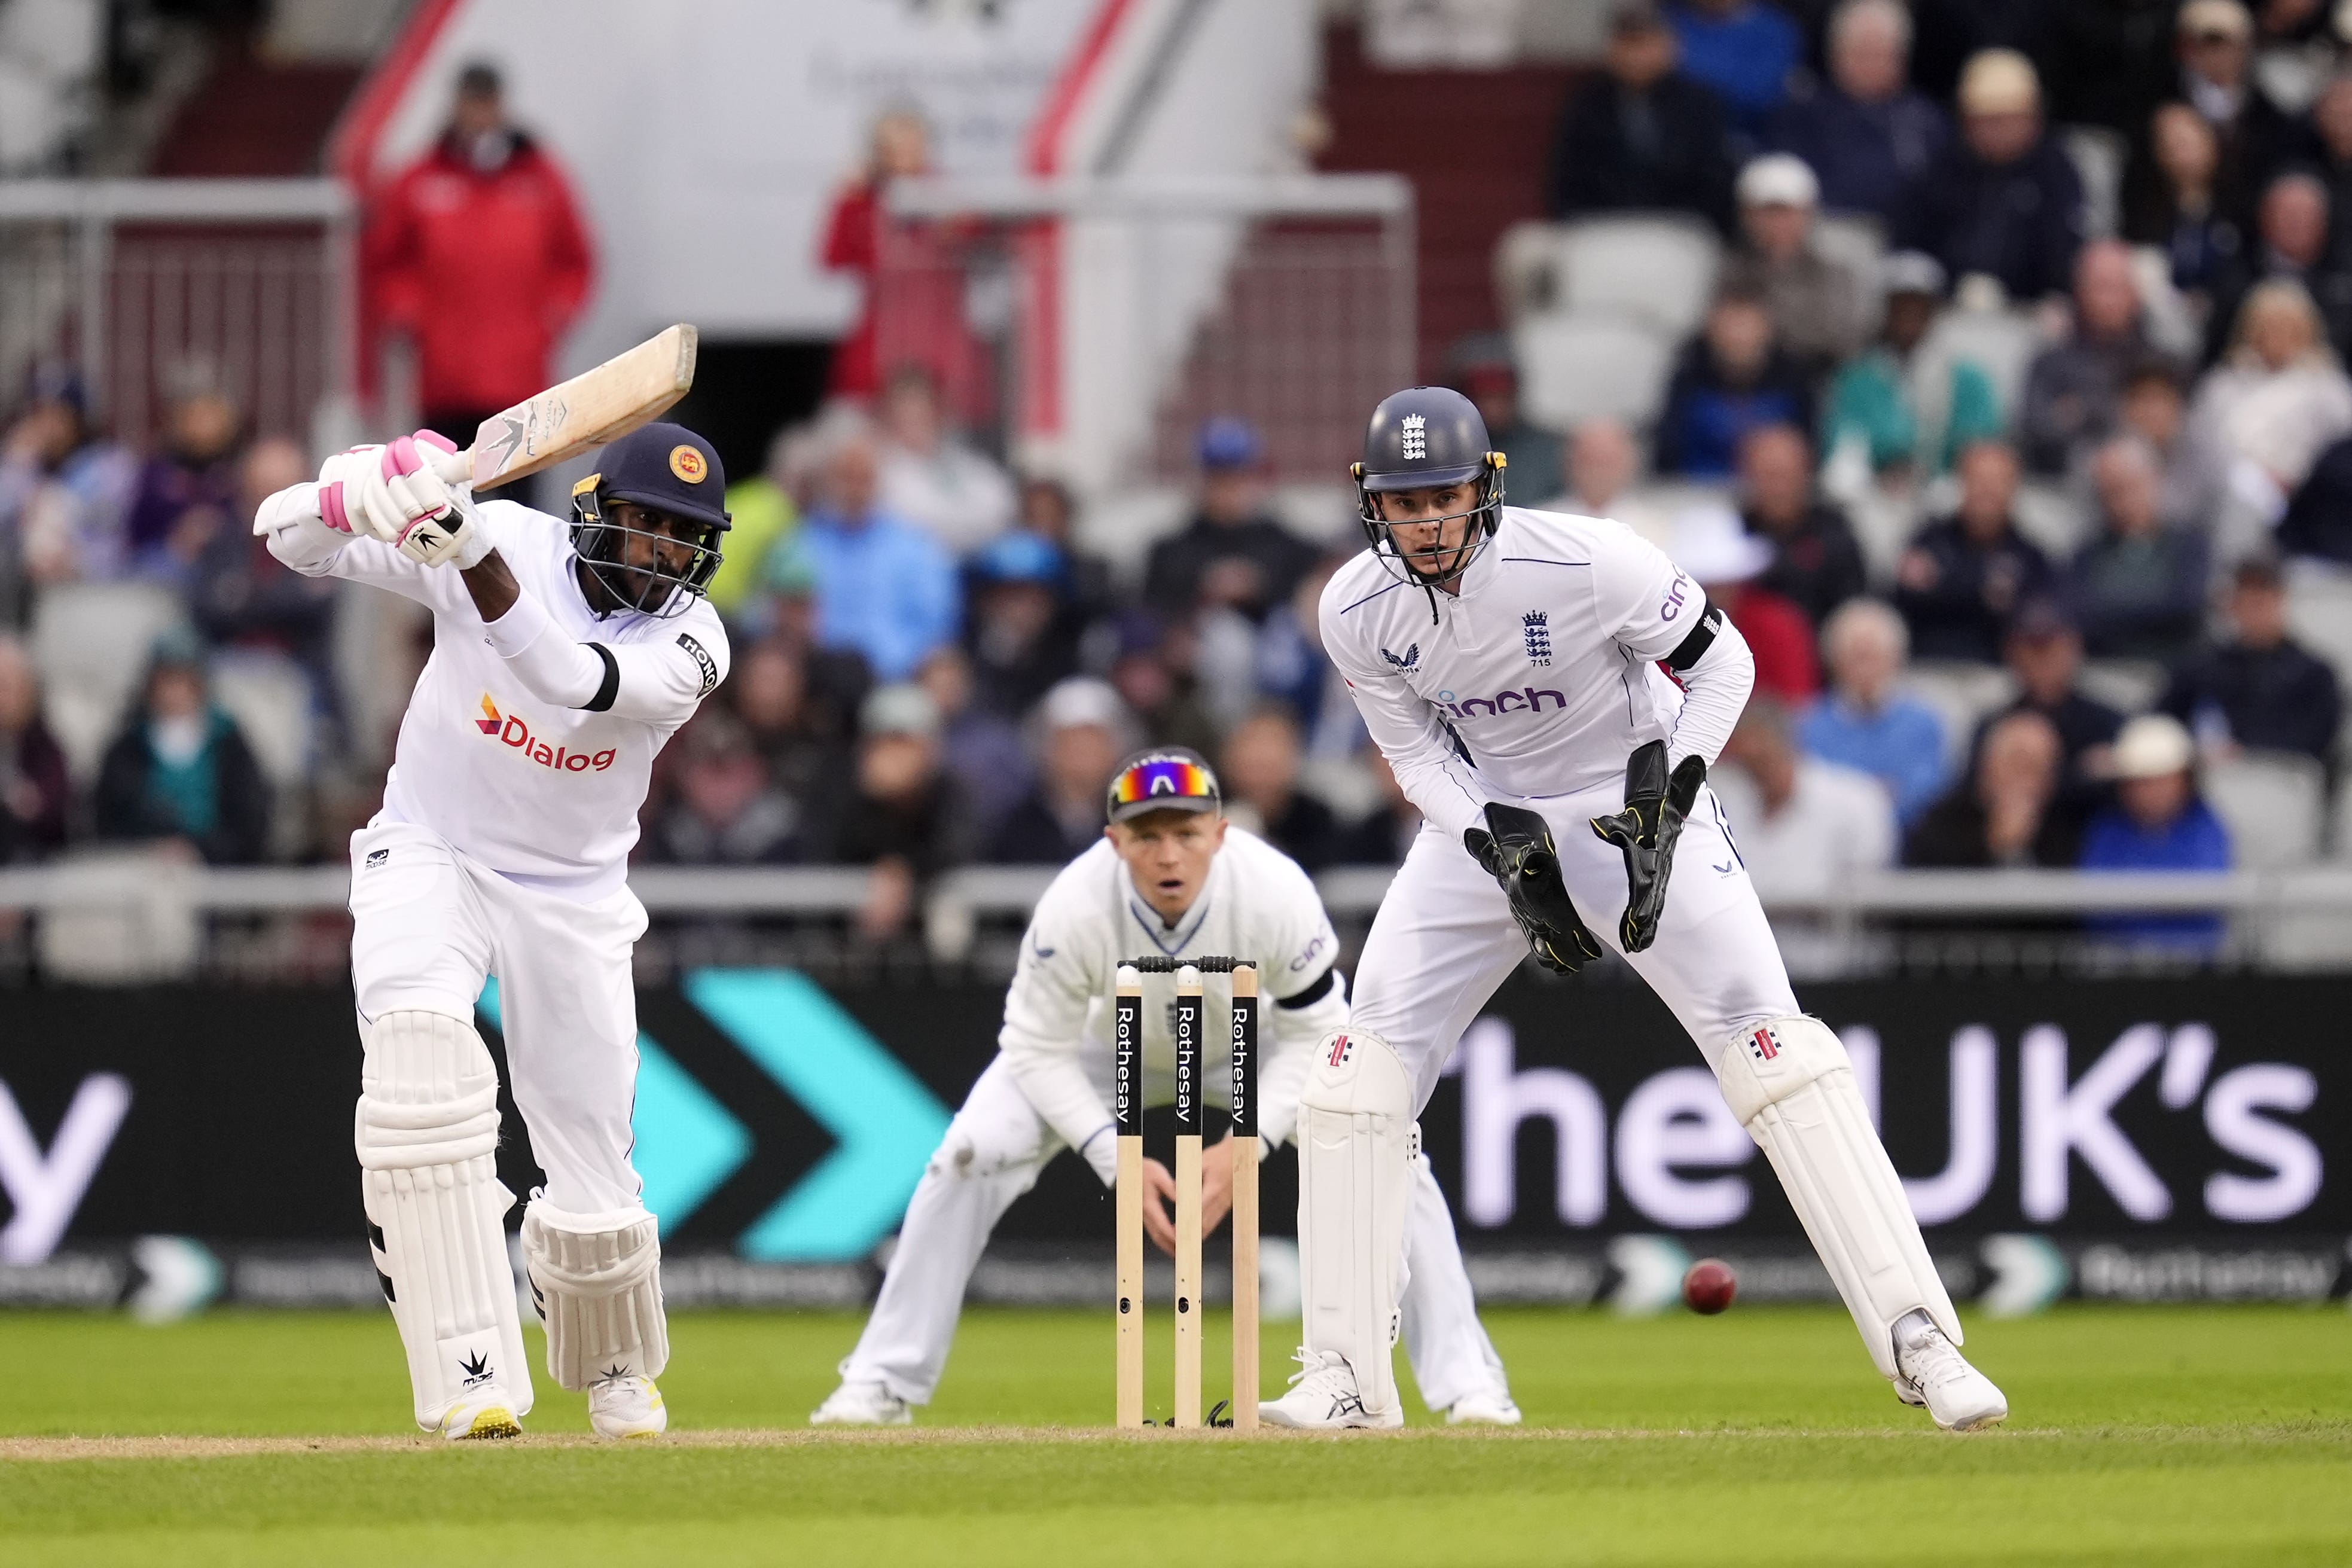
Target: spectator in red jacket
(1722, 557)
(476, 253)
(853, 242)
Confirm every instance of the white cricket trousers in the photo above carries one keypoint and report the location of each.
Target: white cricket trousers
(992, 1154)
(1444, 941)
(429, 925)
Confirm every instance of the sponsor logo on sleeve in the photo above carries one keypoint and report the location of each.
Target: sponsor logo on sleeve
(700, 654)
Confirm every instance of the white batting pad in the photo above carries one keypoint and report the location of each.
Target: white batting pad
(1356, 1148)
(1791, 1085)
(597, 1280)
(427, 1134)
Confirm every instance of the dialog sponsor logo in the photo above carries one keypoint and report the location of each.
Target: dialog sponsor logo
(510, 732)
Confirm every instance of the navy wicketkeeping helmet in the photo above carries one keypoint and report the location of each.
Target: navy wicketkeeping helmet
(1421, 438)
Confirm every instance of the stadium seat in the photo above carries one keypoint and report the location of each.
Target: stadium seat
(1658, 268)
(90, 643)
(2098, 155)
(2053, 517)
(2131, 685)
(1857, 240)
(2001, 343)
(2272, 803)
(1526, 271)
(1573, 367)
(2319, 612)
(269, 698)
(1961, 694)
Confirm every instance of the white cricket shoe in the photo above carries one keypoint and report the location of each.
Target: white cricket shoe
(485, 1415)
(1933, 1373)
(1494, 1408)
(862, 1404)
(1323, 1398)
(627, 1407)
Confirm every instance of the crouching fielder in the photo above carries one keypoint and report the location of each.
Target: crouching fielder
(561, 664)
(1171, 877)
(1507, 663)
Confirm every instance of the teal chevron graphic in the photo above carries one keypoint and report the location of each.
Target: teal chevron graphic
(883, 1121)
(687, 1142)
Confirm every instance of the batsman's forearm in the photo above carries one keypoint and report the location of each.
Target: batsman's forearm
(552, 667)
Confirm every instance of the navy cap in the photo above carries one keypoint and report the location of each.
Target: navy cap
(669, 468)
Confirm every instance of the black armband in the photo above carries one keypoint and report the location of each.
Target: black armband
(610, 687)
(1692, 648)
(1312, 991)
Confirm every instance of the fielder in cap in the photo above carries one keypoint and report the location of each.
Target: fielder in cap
(564, 657)
(1171, 876)
(1550, 692)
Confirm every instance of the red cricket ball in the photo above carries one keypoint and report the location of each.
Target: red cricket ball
(1709, 1286)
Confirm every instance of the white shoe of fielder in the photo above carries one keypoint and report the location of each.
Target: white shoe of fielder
(627, 1407)
(1933, 1373)
(1323, 1398)
(862, 1404)
(483, 1414)
(1494, 1408)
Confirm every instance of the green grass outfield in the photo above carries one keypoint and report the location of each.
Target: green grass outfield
(2142, 1437)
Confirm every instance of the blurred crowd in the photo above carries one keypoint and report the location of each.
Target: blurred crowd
(1930, 555)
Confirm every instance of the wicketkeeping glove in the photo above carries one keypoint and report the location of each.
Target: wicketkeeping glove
(1646, 831)
(420, 496)
(1516, 849)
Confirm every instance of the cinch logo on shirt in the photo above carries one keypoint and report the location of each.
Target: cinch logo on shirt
(509, 731)
(1526, 699)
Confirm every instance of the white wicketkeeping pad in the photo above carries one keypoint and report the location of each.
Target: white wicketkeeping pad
(1357, 1144)
(428, 1131)
(597, 1279)
(1792, 1085)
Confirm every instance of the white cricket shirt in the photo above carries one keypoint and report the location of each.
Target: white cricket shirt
(1537, 679)
(1256, 903)
(544, 795)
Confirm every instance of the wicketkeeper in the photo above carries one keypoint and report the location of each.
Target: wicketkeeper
(1171, 877)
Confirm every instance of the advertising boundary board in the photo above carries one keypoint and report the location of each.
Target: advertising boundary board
(2124, 1139)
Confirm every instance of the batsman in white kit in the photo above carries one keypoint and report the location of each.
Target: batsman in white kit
(1171, 877)
(562, 658)
(1550, 692)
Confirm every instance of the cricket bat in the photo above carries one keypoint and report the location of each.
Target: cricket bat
(625, 392)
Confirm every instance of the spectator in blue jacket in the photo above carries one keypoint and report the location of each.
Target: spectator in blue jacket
(885, 588)
(1743, 50)
(2158, 823)
(2004, 201)
(1867, 136)
(1863, 721)
(1734, 378)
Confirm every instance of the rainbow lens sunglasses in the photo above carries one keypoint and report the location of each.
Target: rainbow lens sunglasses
(1169, 779)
